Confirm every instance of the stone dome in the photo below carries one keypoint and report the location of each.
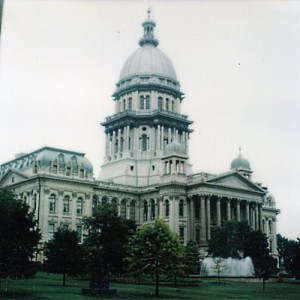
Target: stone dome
(146, 61)
(240, 163)
(148, 66)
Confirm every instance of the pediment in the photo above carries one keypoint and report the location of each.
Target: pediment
(12, 177)
(235, 181)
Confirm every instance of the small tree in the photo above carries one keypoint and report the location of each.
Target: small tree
(64, 254)
(19, 237)
(219, 266)
(191, 258)
(155, 250)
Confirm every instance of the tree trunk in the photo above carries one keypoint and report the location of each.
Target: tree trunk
(156, 285)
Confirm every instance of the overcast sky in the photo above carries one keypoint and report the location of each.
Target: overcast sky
(238, 63)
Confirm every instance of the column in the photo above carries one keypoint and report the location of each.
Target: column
(125, 139)
(238, 211)
(203, 220)
(208, 216)
(169, 135)
(228, 212)
(113, 143)
(162, 138)
(247, 212)
(218, 209)
(192, 218)
(119, 140)
(158, 138)
(260, 217)
(256, 217)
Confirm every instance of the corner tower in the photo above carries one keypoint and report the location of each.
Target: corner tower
(147, 136)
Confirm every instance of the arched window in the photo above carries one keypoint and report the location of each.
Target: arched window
(167, 208)
(197, 210)
(104, 200)
(270, 226)
(144, 142)
(160, 103)
(66, 205)
(181, 208)
(52, 203)
(130, 103)
(79, 206)
(145, 211)
(152, 207)
(167, 104)
(114, 201)
(173, 106)
(123, 208)
(145, 102)
(132, 210)
(124, 104)
(94, 204)
(74, 162)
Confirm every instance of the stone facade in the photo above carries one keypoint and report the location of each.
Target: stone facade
(146, 170)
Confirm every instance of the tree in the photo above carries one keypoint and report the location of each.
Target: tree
(64, 254)
(295, 264)
(191, 257)
(286, 250)
(219, 266)
(107, 237)
(257, 249)
(155, 250)
(229, 240)
(19, 237)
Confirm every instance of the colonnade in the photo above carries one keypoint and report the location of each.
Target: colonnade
(208, 211)
(128, 138)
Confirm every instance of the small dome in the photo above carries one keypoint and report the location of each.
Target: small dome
(240, 163)
(175, 147)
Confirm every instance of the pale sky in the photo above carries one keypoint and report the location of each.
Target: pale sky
(238, 63)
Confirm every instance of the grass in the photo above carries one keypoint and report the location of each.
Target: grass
(50, 287)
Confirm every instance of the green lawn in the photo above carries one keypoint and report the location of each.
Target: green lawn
(49, 287)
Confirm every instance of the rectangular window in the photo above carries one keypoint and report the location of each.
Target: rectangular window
(50, 231)
(147, 102)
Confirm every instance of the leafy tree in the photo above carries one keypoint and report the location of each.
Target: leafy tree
(295, 264)
(64, 254)
(19, 237)
(107, 237)
(155, 250)
(286, 249)
(191, 257)
(257, 249)
(229, 240)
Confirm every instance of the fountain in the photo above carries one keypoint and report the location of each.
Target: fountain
(229, 267)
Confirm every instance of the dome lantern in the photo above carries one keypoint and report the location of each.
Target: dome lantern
(148, 37)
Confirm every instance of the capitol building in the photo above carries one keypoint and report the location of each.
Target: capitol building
(146, 170)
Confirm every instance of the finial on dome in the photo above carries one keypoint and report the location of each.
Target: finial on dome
(149, 12)
(148, 25)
